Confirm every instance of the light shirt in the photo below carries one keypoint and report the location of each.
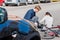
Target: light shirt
(48, 21)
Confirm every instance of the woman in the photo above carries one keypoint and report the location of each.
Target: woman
(48, 20)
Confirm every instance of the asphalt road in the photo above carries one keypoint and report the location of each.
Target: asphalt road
(53, 8)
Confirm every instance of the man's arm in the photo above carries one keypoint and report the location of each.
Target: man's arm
(28, 15)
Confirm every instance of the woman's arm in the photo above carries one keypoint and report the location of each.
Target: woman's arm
(42, 19)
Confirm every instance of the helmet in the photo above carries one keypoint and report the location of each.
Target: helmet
(3, 15)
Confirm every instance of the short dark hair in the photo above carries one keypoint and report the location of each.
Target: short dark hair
(38, 7)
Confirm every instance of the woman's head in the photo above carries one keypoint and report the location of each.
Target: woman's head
(47, 13)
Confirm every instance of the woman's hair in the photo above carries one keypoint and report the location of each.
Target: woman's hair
(47, 13)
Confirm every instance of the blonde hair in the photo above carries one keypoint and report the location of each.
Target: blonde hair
(37, 7)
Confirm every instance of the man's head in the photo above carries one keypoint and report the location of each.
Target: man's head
(37, 8)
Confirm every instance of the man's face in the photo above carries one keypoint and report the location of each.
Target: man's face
(37, 10)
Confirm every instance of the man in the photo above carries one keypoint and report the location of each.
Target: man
(31, 14)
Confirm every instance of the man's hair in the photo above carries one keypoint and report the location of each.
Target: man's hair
(37, 7)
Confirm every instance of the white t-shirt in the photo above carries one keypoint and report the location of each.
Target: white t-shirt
(48, 21)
